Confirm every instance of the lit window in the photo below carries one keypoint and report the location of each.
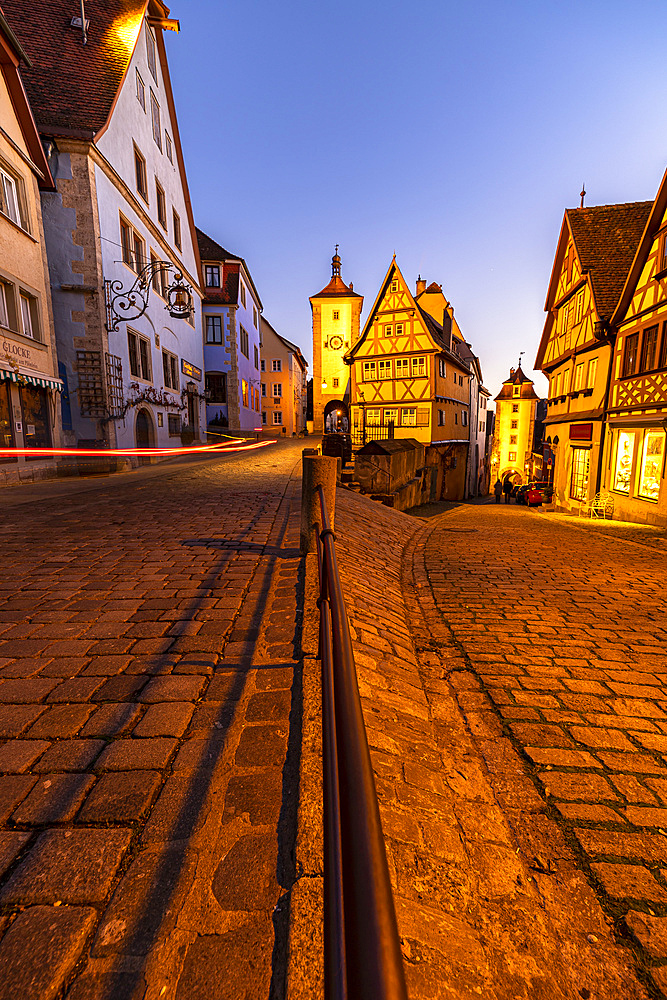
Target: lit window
(578, 377)
(418, 367)
(141, 91)
(369, 371)
(409, 418)
(373, 418)
(150, 49)
(177, 227)
(213, 329)
(390, 417)
(276, 365)
(168, 148)
(212, 273)
(512, 456)
(155, 119)
(402, 368)
(244, 392)
(625, 447)
(579, 476)
(384, 369)
(651, 467)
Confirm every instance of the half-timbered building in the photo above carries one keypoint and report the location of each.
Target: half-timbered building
(595, 250)
(408, 381)
(635, 451)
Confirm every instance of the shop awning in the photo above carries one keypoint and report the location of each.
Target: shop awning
(31, 377)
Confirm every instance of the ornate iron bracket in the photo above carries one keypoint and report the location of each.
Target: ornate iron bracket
(126, 305)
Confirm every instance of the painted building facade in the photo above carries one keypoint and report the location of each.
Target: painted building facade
(595, 250)
(232, 341)
(635, 450)
(283, 388)
(29, 383)
(408, 381)
(514, 429)
(106, 113)
(336, 312)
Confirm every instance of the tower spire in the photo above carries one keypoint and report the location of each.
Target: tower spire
(335, 264)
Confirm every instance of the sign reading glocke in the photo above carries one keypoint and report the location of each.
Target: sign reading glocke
(21, 354)
(191, 370)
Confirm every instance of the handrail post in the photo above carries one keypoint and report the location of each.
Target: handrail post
(317, 470)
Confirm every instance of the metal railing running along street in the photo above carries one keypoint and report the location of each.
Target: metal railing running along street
(362, 954)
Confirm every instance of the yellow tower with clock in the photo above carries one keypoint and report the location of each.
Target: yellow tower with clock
(336, 323)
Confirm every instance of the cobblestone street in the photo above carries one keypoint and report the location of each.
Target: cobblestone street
(147, 652)
(562, 636)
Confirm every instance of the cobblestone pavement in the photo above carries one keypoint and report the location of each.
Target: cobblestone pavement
(488, 896)
(148, 644)
(561, 630)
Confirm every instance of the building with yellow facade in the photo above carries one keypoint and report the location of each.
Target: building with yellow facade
(30, 403)
(283, 387)
(595, 250)
(409, 381)
(336, 320)
(514, 428)
(635, 451)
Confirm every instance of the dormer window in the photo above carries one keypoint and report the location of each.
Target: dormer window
(212, 272)
(516, 390)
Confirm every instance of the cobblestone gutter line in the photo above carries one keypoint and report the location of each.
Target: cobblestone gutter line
(481, 912)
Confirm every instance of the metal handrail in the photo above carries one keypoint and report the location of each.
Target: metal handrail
(362, 954)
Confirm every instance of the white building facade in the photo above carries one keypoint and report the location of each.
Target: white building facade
(133, 373)
(232, 342)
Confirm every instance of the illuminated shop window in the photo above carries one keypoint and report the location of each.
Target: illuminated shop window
(579, 478)
(624, 451)
(372, 418)
(390, 417)
(651, 468)
(409, 418)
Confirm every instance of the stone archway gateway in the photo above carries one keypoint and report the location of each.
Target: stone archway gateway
(336, 416)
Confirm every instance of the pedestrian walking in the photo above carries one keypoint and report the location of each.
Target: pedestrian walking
(497, 490)
(507, 489)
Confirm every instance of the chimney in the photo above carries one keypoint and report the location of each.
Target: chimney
(351, 286)
(512, 372)
(421, 285)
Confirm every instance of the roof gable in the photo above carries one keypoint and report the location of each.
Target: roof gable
(654, 222)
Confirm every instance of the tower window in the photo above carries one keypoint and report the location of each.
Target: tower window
(336, 314)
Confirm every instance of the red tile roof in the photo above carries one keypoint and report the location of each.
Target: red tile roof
(606, 238)
(71, 86)
(337, 289)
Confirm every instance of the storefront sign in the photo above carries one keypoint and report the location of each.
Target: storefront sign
(581, 432)
(191, 370)
(21, 354)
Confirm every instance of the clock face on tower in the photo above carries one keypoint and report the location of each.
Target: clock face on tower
(335, 343)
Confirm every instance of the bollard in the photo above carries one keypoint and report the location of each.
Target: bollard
(317, 470)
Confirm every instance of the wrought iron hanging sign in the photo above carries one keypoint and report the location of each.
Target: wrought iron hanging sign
(126, 305)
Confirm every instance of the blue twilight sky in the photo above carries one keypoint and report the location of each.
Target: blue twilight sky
(452, 133)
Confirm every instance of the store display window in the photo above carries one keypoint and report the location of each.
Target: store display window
(34, 405)
(579, 478)
(6, 423)
(651, 467)
(624, 451)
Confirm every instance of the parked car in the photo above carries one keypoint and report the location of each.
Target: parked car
(537, 493)
(520, 495)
